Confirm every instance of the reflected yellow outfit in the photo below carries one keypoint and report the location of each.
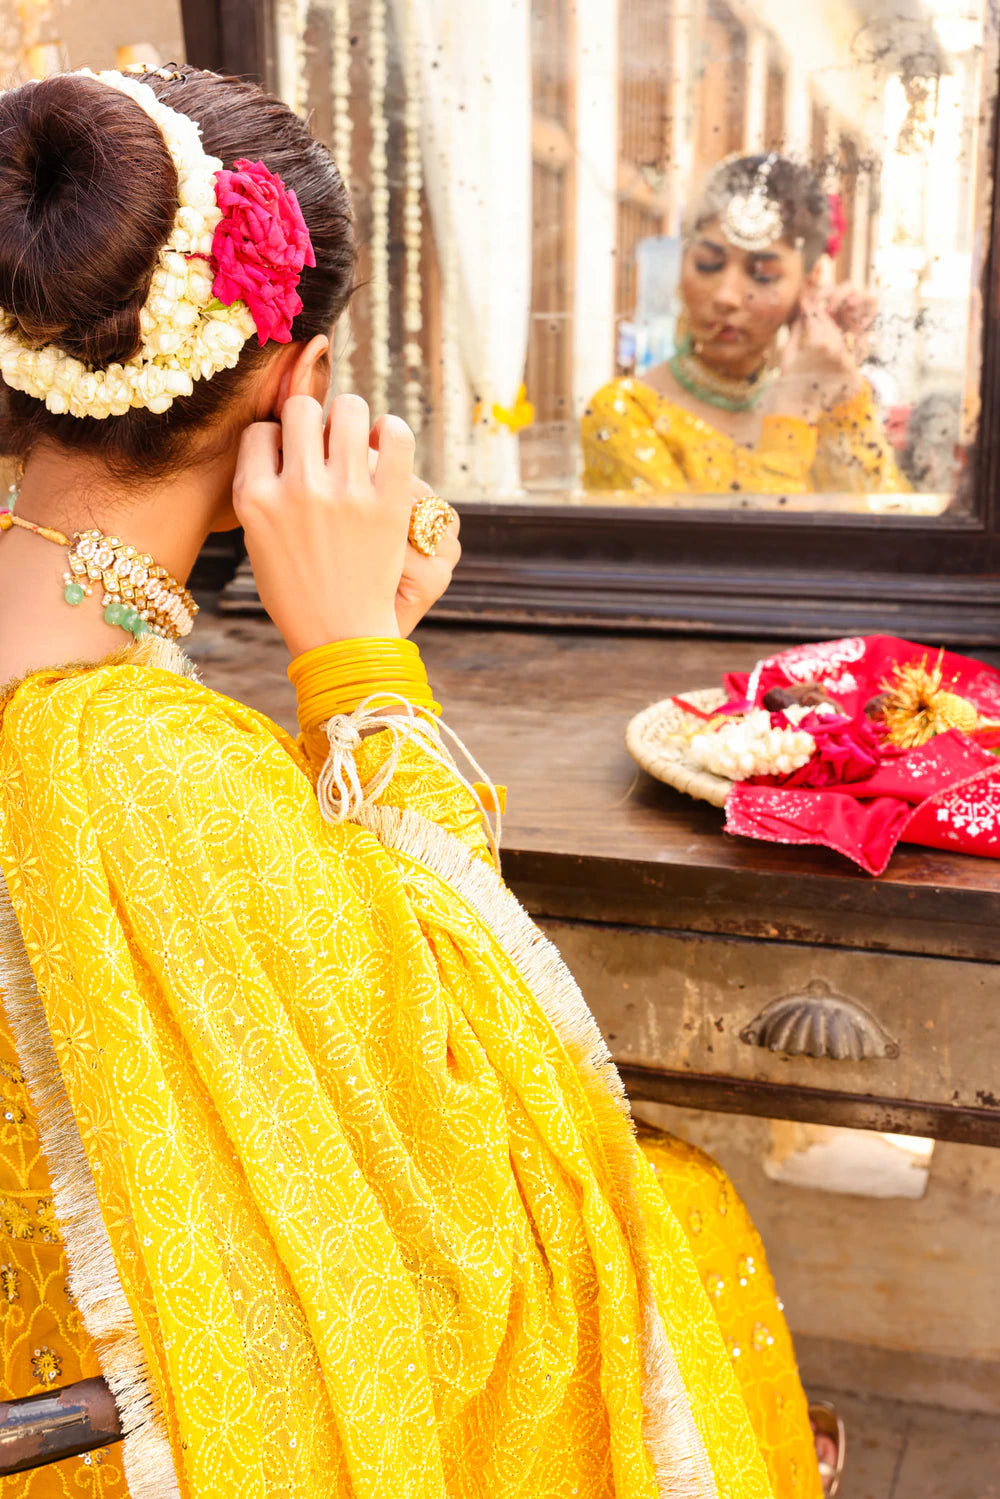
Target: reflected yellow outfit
(634, 438)
(350, 1199)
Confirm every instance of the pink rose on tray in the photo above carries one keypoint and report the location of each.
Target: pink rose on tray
(847, 749)
(259, 248)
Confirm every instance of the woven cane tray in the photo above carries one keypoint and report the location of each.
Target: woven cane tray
(657, 739)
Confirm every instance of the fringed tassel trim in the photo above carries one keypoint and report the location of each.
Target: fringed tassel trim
(93, 1275)
(339, 790)
(676, 1450)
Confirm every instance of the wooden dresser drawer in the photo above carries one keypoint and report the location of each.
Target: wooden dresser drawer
(913, 1029)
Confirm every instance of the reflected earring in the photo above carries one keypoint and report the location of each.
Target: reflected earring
(776, 347)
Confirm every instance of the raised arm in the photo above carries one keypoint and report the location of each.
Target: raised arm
(326, 509)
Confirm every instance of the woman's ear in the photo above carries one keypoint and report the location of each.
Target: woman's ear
(304, 371)
(821, 277)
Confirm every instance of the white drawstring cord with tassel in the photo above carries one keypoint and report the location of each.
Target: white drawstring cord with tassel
(339, 790)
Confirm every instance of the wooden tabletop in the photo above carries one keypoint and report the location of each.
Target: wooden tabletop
(588, 835)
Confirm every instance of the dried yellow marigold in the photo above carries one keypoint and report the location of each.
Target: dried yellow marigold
(918, 707)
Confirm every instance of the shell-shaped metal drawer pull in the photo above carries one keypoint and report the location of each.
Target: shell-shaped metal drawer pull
(819, 1023)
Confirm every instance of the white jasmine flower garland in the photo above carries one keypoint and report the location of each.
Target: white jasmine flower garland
(187, 334)
(750, 746)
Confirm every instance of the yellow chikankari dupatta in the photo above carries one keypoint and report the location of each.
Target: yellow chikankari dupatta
(352, 1202)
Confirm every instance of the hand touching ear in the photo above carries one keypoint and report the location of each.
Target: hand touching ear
(325, 511)
(817, 366)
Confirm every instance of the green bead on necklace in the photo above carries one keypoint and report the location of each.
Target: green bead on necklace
(116, 611)
(140, 597)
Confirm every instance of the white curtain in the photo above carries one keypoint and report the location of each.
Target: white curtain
(475, 65)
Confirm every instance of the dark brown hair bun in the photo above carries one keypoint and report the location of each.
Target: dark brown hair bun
(88, 194)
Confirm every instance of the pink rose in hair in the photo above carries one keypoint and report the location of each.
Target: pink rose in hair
(838, 226)
(259, 248)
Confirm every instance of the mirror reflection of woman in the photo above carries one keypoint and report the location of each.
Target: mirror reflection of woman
(763, 393)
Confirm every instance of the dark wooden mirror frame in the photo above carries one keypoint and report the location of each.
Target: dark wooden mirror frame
(715, 572)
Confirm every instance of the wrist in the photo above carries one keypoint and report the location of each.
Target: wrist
(309, 636)
(795, 396)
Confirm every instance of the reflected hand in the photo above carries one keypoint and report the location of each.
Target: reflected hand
(853, 309)
(818, 369)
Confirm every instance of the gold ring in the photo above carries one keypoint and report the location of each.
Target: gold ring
(429, 521)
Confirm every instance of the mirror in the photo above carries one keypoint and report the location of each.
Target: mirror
(724, 253)
(38, 37)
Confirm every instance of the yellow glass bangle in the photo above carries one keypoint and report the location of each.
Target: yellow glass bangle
(322, 676)
(338, 658)
(343, 652)
(336, 678)
(353, 659)
(321, 709)
(365, 682)
(395, 671)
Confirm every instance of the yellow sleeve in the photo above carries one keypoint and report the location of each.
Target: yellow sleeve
(348, 682)
(634, 439)
(624, 446)
(853, 453)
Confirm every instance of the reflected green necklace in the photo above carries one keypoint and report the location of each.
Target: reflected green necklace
(727, 392)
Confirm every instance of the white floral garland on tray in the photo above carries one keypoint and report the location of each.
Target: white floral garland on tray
(187, 334)
(752, 745)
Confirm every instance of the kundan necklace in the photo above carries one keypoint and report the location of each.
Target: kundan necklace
(139, 596)
(727, 392)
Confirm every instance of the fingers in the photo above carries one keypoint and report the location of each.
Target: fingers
(301, 436)
(450, 549)
(395, 444)
(258, 464)
(852, 309)
(260, 447)
(808, 326)
(425, 579)
(348, 442)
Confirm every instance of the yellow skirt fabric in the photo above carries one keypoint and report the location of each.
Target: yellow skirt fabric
(734, 1270)
(349, 1198)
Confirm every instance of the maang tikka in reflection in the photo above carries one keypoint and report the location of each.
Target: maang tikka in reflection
(752, 220)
